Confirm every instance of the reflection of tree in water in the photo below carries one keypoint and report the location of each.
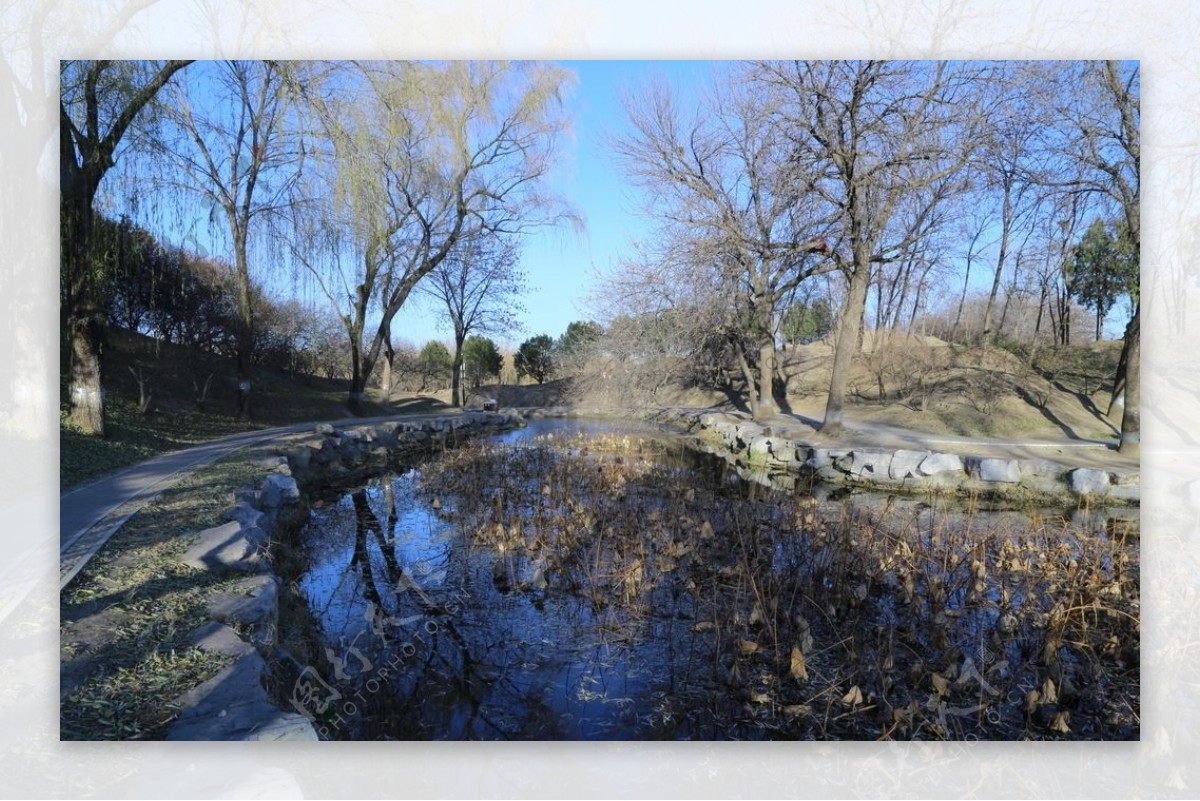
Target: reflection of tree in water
(450, 683)
(572, 594)
(474, 658)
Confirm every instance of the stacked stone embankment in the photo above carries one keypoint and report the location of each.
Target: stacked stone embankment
(243, 621)
(749, 444)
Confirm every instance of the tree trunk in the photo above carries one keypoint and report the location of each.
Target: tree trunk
(385, 380)
(86, 383)
(1005, 226)
(962, 299)
(389, 358)
(766, 405)
(456, 388)
(358, 378)
(245, 335)
(1131, 420)
(1118, 389)
(84, 315)
(847, 346)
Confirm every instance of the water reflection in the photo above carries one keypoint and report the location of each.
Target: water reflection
(558, 587)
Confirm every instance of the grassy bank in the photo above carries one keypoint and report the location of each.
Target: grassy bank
(126, 618)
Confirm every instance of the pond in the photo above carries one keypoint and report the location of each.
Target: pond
(599, 580)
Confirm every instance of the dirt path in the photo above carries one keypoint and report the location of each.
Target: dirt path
(861, 433)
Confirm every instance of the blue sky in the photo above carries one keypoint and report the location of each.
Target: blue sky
(560, 263)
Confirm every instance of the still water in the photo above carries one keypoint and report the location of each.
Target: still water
(567, 584)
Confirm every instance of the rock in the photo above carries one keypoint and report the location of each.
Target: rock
(233, 705)
(248, 602)
(1126, 478)
(760, 448)
(1001, 471)
(299, 458)
(219, 639)
(279, 490)
(232, 546)
(936, 463)
(1040, 468)
(746, 432)
(867, 463)
(323, 451)
(1087, 481)
(783, 451)
(1126, 492)
(244, 513)
(907, 464)
(270, 463)
(326, 429)
(820, 458)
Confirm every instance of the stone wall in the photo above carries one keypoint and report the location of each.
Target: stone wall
(234, 704)
(749, 444)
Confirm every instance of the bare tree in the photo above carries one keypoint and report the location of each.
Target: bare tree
(1009, 173)
(98, 103)
(1095, 159)
(736, 224)
(1107, 117)
(478, 286)
(881, 144)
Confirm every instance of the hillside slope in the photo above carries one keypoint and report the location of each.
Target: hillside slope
(174, 377)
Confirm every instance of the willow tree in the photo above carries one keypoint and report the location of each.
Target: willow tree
(232, 149)
(881, 143)
(99, 102)
(736, 221)
(417, 157)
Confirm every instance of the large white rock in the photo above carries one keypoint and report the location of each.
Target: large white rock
(1088, 481)
(772, 448)
(1001, 471)
(278, 489)
(907, 464)
(936, 463)
(1040, 468)
(868, 462)
(746, 432)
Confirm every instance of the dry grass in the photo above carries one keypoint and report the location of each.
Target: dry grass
(127, 616)
(823, 622)
(925, 384)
